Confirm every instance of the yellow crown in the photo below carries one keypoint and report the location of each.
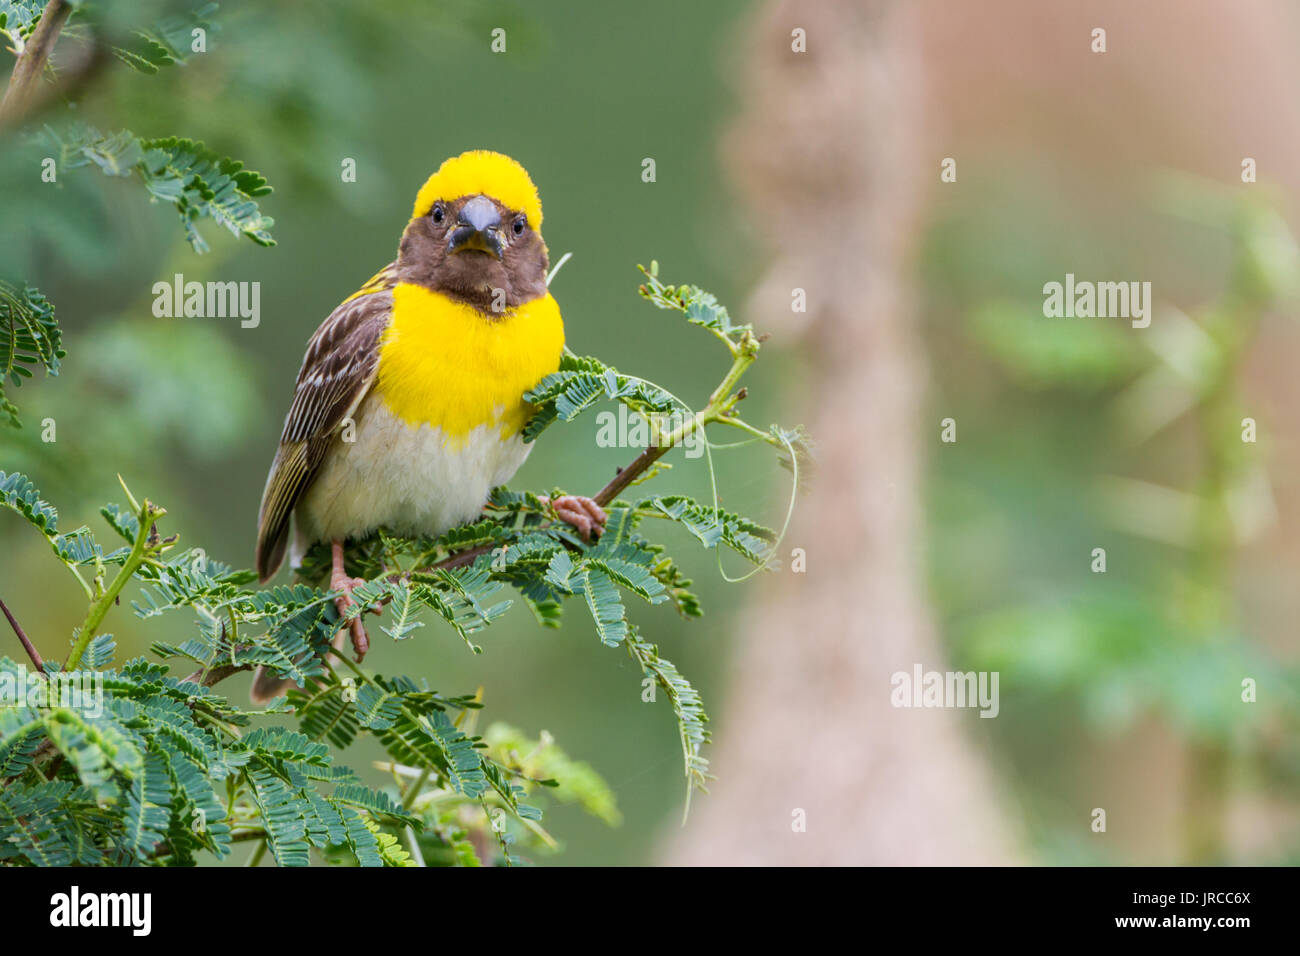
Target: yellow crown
(482, 171)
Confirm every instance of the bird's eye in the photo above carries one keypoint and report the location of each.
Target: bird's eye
(437, 212)
(519, 226)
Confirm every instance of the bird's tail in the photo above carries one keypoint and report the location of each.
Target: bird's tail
(267, 687)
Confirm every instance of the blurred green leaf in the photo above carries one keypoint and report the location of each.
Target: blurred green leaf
(200, 183)
(1041, 352)
(29, 338)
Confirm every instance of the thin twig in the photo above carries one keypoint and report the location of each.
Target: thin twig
(27, 644)
(20, 94)
(639, 466)
(209, 676)
(146, 542)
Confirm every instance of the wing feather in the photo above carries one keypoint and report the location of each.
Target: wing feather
(336, 374)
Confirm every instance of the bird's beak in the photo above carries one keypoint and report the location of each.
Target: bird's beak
(477, 227)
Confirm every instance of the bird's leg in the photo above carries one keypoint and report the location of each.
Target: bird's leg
(583, 513)
(339, 581)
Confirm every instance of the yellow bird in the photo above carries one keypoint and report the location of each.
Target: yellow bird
(409, 403)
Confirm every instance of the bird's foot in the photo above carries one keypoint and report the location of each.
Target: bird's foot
(360, 639)
(583, 513)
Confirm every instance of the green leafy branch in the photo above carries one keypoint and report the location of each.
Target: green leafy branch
(128, 781)
(155, 46)
(32, 37)
(145, 768)
(29, 338)
(33, 29)
(200, 183)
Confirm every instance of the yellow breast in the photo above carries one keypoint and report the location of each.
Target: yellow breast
(444, 364)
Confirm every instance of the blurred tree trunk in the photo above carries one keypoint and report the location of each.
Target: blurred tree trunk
(829, 151)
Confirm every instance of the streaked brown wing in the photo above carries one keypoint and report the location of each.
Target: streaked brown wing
(336, 373)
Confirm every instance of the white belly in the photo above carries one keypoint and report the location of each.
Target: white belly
(402, 478)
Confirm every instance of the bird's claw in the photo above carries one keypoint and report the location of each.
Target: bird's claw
(360, 639)
(587, 517)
